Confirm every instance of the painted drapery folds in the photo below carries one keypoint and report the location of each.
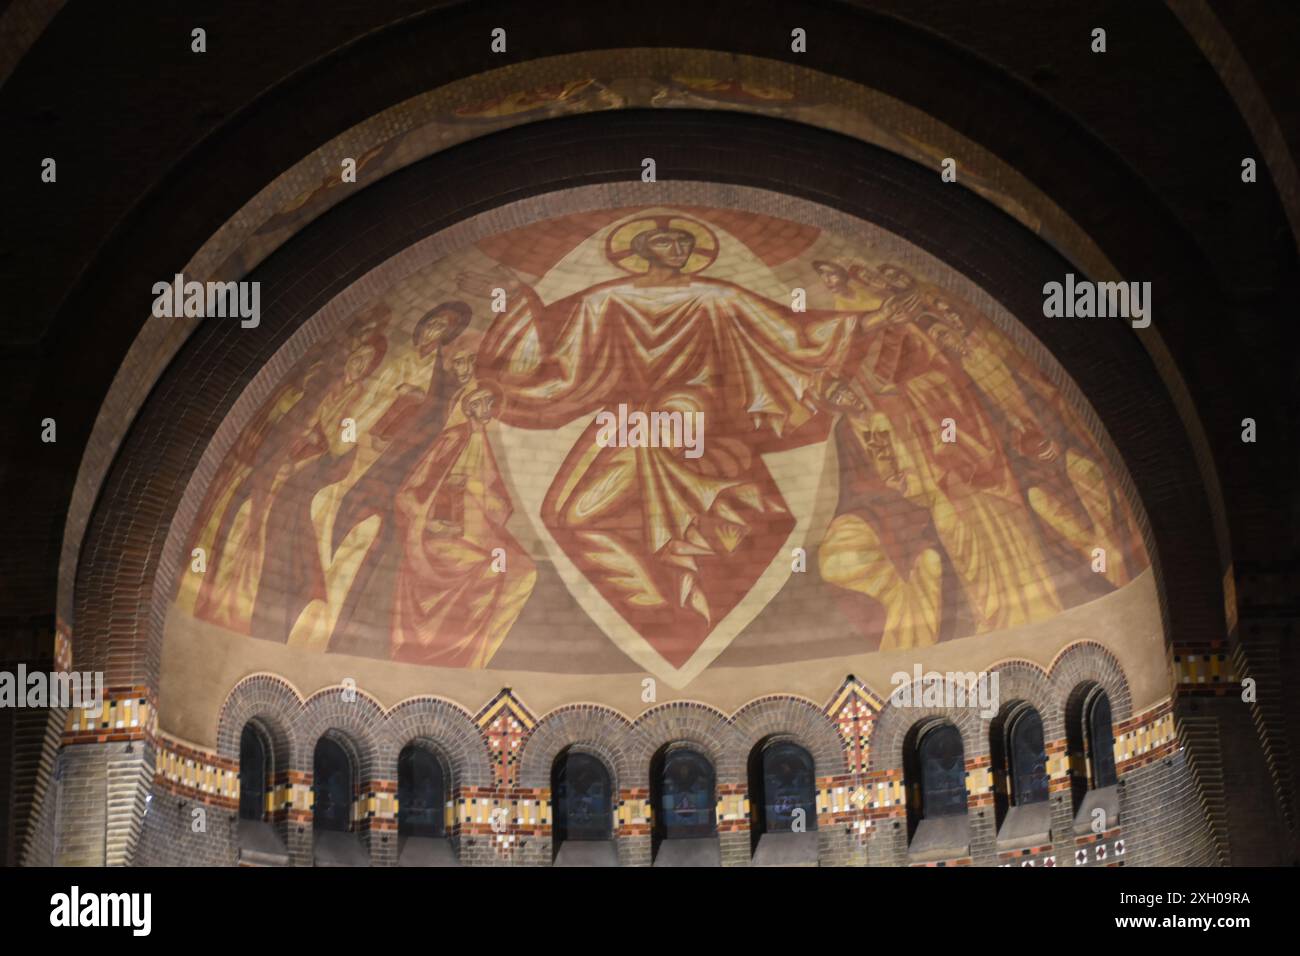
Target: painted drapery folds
(438, 464)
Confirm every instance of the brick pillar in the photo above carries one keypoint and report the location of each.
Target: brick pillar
(81, 813)
(632, 827)
(1163, 816)
(130, 769)
(733, 824)
(836, 846)
(983, 835)
(377, 821)
(295, 810)
(1063, 827)
(35, 789)
(382, 845)
(101, 802)
(633, 849)
(300, 842)
(735, 847)
(889, 845)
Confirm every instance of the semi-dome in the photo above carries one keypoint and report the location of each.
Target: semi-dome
(720, 449)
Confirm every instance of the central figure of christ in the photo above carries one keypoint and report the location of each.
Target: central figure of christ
(672, 542)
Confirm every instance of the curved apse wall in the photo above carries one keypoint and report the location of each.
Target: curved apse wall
(420, 497)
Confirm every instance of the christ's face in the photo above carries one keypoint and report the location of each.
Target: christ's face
(668, 247)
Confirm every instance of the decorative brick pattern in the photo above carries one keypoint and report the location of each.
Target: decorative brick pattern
(505, 721)
(127, 714)
(191, 772)
(1205, 669)
(499, 809)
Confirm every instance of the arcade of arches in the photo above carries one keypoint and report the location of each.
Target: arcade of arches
(749, 514)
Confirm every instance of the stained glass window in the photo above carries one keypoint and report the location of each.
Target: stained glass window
(583, 809)
(420, 795)
(686, 795)
(332, 785)
(1101, 740)
(1028, 761)
(943, 771)
(787, 787)
(252, 775)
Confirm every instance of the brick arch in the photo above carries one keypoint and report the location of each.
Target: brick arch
(1089, 662)
(688, 722)
(274, 704)
(602, 731)
(1020, 680)
(797, 719)
(360, 721)
(451, 731)
(895, 722)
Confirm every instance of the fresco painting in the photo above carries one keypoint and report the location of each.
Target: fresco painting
(415, 471)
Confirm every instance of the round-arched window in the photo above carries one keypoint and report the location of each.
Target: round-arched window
(421, 796)
(1027, 757)
(583, 806)
(943, 771)
(1101, 739)
(332, 786)
(252, 774)
(686, 795)
(788, 791)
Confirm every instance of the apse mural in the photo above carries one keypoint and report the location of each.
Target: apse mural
(655, 418)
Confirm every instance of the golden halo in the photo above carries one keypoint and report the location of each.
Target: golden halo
(618, 244)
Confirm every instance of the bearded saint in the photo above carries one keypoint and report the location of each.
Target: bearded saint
(901, 394)
(1066, 486)
(880, 544)
(984, 529)
(853, 284)
(672, 543)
